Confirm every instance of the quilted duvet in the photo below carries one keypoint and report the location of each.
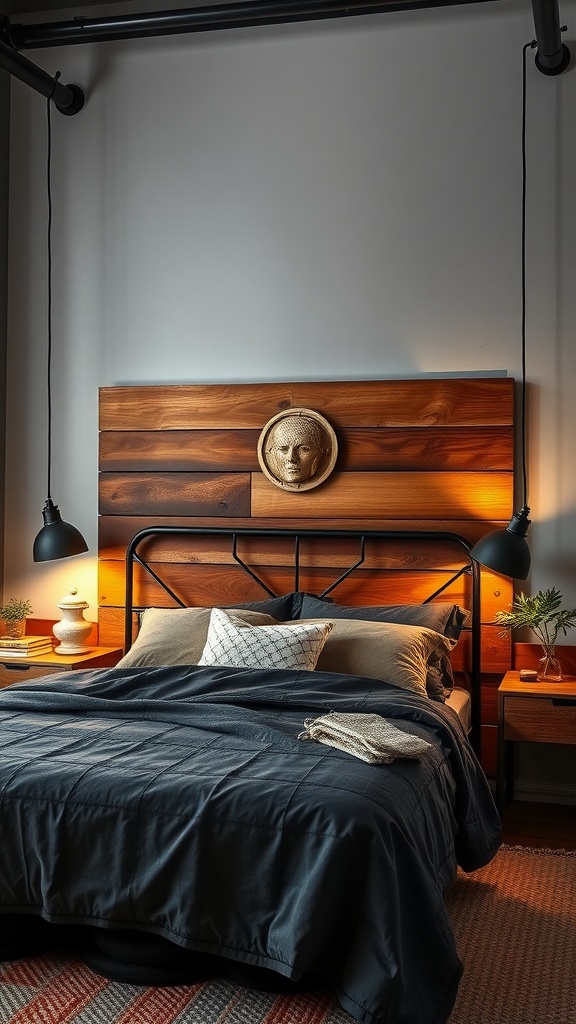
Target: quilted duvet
(180, 801)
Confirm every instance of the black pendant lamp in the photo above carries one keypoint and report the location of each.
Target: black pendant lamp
(56, 539)
(506, 551)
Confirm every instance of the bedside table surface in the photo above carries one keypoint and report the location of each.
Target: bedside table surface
(512, 685)
(95, 656)
(43, 666)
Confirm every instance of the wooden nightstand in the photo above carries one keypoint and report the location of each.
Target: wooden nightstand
(540, 712)
(21, 670)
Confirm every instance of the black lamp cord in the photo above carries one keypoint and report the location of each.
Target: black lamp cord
(527, 46)
(49, 262)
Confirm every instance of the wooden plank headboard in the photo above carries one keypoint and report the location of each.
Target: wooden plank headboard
(431, 453)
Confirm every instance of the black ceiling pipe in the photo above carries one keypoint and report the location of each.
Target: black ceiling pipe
(203, 19)
(68, 99)
(552, 56)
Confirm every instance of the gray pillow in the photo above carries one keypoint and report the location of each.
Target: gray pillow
(280, 608)
(177, 636)
(389, 651)
(441, 616)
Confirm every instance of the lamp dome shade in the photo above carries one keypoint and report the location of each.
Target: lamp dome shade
(506, 551)
(56, 539)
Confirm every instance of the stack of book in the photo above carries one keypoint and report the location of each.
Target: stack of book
(24, 646)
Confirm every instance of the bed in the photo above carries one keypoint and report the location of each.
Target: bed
(199, 810)
(182, 815)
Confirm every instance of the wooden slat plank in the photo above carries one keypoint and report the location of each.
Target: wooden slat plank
(489, 692)
(496, 593)
(426, 448)
(496, 651)
(427, 401)
(111, 627)
(261, 551)
(214, 584)
(175, 450)
(115, 532)
(43, 627)
(496, 661)
(375, 448)
(527, 655)
(413, 495)
(174, 494)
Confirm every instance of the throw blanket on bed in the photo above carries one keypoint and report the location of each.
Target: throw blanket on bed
(179, 801)
(369, 737)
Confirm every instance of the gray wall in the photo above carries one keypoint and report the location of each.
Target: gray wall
(336, 199)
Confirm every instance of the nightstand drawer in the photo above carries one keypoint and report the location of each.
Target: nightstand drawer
(26, 669)
(540, 719)
(10, 675)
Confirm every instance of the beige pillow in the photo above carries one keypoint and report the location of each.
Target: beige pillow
(233, 642)
(176, 636)
(389, 651)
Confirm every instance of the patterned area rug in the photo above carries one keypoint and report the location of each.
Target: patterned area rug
(515, 926)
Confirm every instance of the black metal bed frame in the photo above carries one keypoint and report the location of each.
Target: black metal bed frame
(470, 568)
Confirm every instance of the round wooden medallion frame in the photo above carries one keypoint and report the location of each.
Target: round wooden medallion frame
(327, 456)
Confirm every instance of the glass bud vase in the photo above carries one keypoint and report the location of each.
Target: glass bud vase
(549, 668)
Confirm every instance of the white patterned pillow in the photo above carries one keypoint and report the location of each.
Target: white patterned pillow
(232, 642)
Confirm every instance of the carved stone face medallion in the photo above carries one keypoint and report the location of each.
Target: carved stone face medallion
(297, 449)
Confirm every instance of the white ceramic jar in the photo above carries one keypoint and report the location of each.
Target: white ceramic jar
(73, 629)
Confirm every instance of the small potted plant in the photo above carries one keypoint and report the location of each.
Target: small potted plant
(14, 615)
(543, 615)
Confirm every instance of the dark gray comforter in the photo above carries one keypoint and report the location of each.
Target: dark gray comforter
(180, 801)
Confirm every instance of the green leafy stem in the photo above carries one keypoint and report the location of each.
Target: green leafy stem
(541, 613)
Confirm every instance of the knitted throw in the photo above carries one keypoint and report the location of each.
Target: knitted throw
(369, 737)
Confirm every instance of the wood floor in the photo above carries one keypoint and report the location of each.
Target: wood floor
(540, 825)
